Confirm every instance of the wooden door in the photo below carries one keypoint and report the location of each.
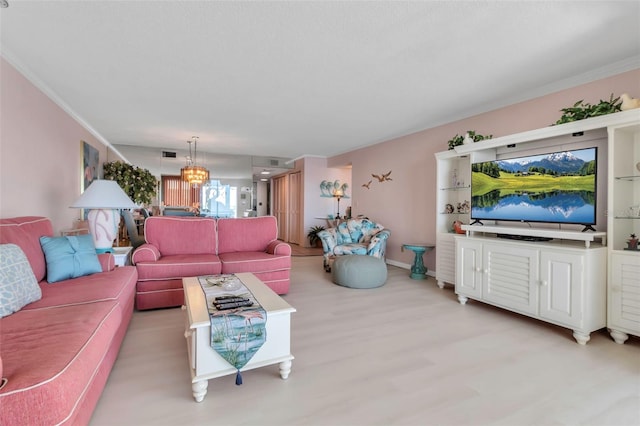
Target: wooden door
(280, 205)
(294, 215)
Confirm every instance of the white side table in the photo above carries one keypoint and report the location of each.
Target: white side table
(122, 255)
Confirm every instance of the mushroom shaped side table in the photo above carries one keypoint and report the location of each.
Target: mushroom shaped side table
(418, 270)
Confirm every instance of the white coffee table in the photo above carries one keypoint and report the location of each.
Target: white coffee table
(205, 363)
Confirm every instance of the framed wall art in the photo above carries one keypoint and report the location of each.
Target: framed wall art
(89, 169)
(90, 165)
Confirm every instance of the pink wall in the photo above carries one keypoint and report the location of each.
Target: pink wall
(40, 153)
(406, 204)
(34, 131)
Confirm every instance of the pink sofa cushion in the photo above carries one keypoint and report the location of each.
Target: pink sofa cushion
(246, 234)
(25, 232)
(179, 266)
(253, 262)
(176, 235)
(50, 360)
(118, 285)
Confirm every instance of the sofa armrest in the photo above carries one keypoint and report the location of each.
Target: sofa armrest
(107, 261)
(329, 239)
(378, 244)
(279, 247)
(146, 253)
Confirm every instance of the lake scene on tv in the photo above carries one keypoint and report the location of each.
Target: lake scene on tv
(558, 187)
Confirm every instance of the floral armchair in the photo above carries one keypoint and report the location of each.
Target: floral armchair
(353, 236)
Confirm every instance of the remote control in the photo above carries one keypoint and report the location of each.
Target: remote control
(225, 306)
(229, 299)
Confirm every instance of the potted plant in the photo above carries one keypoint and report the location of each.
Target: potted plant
(581, 110)
(139, 184)
(471, 134)
(314, 239)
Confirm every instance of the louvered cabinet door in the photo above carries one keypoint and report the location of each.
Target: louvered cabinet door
(511, 277)
(445, 259)
(624, 296)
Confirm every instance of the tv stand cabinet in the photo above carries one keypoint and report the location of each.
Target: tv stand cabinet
(617, 133)
(554, 234)
(560, 282)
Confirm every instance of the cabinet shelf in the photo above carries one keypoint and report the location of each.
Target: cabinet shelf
(628, 178)
(456, 188)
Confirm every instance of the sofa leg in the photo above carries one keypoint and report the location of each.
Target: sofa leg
(327, 266)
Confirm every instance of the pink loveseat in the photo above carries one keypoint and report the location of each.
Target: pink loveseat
(56, 353)
(178, 247)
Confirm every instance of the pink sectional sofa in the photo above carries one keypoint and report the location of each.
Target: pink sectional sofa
(57, 352)
(178, 247)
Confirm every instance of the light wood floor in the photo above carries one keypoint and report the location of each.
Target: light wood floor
(405, 354)
(297, 250)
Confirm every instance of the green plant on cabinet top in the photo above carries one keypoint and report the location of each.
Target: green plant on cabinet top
(459, 140)
(580, 110)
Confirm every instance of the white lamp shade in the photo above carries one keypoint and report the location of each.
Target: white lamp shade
(104, 194)
(102, 198)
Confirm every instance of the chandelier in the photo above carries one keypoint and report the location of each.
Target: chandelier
(192, 173)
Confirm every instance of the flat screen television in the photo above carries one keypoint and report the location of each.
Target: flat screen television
(557, 187)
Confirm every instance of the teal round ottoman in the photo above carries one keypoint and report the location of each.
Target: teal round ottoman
(356, 271)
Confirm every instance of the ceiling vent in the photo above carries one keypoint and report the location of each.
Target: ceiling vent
(274, 162)
(168, 154)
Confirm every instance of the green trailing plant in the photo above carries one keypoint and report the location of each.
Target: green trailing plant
(138, 183)
(459, 140)
(581, 110)
(313, 234)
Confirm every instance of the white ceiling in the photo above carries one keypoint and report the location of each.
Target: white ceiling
(293, 78)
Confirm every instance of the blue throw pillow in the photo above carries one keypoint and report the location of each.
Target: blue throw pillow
(18, 285)
(69, 257)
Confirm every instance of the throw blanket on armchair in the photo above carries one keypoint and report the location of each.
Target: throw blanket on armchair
(237, 319)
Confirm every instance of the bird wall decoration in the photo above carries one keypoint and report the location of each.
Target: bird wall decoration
(382, 178)
(366, 185)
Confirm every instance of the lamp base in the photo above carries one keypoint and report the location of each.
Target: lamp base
(103, 226)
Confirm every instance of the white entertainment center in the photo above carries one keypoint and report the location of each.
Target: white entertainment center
(583, 281)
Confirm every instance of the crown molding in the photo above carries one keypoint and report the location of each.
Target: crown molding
(55, 98)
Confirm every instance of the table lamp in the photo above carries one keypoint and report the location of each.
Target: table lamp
(338, 193)
(103, 199)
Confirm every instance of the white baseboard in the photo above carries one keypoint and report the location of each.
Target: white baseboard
(408, 267)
